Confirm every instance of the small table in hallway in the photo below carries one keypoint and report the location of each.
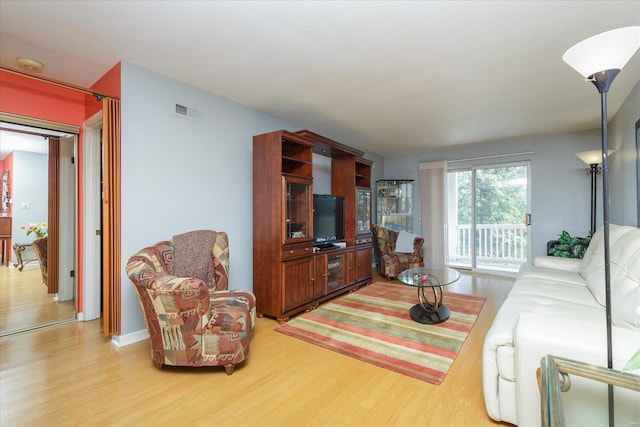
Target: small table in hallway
(18, 249)
(429, 312)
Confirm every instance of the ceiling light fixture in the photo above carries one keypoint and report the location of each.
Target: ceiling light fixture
(30, 65)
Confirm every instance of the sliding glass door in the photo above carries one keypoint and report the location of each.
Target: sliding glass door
(488, 217)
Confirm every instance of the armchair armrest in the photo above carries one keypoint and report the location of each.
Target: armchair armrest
(238, 298)
(417, 246)
(191, 292)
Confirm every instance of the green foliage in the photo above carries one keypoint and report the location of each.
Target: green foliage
(570, 247)
(634, 363)
(501, 195)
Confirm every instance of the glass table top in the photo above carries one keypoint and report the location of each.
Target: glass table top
(429, 277)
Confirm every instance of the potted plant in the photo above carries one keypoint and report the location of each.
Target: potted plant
(568, 247)
(40, 230)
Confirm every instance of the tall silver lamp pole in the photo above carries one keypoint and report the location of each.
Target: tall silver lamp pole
(599, 59)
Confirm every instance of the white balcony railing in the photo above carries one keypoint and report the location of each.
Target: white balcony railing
(498, 245)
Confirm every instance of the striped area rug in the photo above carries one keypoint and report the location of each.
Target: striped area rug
(373, 325)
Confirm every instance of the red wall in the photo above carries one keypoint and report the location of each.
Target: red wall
(33, 98)
(29, 97)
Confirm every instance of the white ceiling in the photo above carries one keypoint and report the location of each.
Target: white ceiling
(391, 77)
(23, 138)
(10, 141)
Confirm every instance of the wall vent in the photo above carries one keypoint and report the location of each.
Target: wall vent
(187, 112)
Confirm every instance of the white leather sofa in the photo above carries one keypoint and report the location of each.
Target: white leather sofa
(557, 306)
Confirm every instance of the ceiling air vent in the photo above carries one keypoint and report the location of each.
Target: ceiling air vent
(187, 112)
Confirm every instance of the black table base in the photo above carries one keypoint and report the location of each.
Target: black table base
(429, 316)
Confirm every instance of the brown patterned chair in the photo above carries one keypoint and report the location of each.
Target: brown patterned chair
(40, 249)
(390, 262)
(192, 317)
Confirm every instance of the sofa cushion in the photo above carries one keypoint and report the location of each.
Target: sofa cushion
(553, 290)
(624, 257)
(564, 276)
(558, 263)
(625, 280)
(592, 266)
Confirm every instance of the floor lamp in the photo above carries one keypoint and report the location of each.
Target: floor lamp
(593, 159)
(599, 59)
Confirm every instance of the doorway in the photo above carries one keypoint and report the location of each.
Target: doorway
(39, 289)
(488, 219)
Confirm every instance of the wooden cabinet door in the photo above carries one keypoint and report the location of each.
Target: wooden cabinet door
(351, 266)
(297, 282)
(363, 263)
(320, 280)
(337, 273)
(297, 202)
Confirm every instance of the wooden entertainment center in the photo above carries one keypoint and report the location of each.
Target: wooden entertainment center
(289, 274)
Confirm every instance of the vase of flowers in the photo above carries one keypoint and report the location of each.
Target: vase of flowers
(40, 230)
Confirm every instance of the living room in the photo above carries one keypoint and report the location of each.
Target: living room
(180, 174)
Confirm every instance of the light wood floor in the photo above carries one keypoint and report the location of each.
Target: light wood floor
(24, 302)
(70, 375)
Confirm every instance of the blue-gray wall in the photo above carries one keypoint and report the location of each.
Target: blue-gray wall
(560, 188)
(179, 174)
(30, 185)
(622, 164)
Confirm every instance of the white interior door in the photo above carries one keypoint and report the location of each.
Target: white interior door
(67, 243)
(92, 208)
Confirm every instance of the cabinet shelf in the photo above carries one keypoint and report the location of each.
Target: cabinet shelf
(363, 172)
(395, 204)
(296, 167)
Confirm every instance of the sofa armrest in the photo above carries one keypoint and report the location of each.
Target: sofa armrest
(584, 340)
(558, 263)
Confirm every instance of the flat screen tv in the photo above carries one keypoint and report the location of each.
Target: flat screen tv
(328, 218)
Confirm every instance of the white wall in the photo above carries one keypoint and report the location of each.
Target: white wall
(560, 188)
(321, 174)
(180, 175)
(622, 164)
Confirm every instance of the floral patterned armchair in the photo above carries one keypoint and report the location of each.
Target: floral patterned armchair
(390, 262)
(192, 317)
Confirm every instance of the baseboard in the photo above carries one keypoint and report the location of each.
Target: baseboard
(131, 338)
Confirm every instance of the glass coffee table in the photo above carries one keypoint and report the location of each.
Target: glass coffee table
(433, 279)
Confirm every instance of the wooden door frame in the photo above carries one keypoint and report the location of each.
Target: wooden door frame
(53, 197)
(53, 216)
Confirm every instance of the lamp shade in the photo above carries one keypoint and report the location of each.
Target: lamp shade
(610, 50)
(592, 157)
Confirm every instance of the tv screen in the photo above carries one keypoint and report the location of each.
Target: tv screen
(328, 218)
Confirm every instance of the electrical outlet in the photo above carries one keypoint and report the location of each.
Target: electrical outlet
(25, 205)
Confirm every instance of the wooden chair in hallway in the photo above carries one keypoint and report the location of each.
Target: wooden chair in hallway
(40, 248)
